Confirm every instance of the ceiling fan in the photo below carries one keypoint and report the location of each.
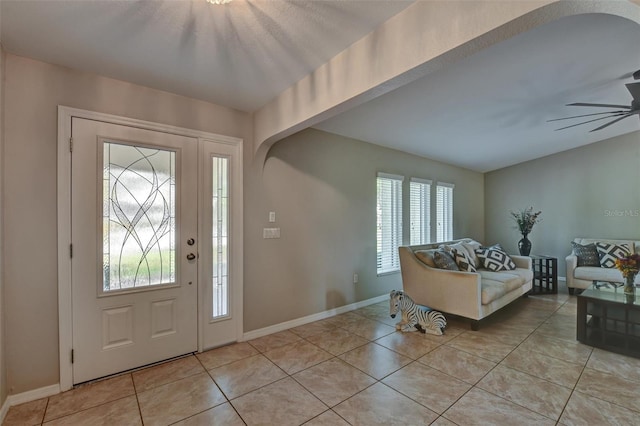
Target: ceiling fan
(620, 113)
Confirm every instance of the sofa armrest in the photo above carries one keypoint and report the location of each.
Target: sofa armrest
(572, 264)
(454, 292)
(523, 262)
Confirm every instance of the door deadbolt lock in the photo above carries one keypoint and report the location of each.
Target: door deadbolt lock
(191, 241)
(191, 256)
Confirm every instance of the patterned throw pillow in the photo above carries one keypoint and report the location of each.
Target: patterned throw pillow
(587, 255)
(471, 247)
(608, 253)
(495, 259)
(461, 247)
(426, 257)
(443, 260)
(462, 260)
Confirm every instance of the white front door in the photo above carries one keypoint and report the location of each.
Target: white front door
(134, 266)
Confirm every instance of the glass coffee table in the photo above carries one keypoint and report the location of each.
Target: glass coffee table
(597, 284)
(610, 320)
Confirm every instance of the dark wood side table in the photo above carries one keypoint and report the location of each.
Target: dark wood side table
(610, 320)
(545, 274)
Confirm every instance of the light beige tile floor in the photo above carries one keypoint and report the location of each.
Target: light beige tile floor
(523, 366)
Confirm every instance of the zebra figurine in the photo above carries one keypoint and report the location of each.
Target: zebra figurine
(415, 317)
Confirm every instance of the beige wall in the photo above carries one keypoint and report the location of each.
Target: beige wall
(3, 370)
(322, 188)
(590, 191)
(33, 90)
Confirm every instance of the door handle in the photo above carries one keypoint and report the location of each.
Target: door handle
(191, 256)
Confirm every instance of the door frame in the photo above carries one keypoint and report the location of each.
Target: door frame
(65, 316)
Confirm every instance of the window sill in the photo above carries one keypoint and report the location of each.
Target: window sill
(390, 272)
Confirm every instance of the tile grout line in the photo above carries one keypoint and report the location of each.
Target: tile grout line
(45, 410)
(542, 323)
(376, 381)
(417, 402)
(228, 401)
(135, 392)
(88, 408)
(531, 375)
(475, 386)
(419, 363)
(595, 397)
(170, 381)
(575, 385)
(380, 381)
(260, 353)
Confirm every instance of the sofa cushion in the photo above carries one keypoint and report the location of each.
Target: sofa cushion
(462, 260)
(525, 274)
(443, 260)
(587, 255)
(494, 259)
(510, 280)
(426, 257)
(596, 273)
(491, 290)
(608, 253)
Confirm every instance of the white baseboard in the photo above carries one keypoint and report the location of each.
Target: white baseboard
(254, 334)
(28, 396)
(47, 391)
(34, 394)
(4, 410)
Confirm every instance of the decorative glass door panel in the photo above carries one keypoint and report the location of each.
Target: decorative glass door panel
(220, 235)
(220, 230)
(134, 270)
(139, 216)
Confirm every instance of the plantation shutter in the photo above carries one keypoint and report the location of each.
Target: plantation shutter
(389, 222)
(444, 211)
(420, 211)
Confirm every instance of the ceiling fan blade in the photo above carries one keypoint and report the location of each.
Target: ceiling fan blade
(599, 105)
(595, 119)
(634, 89)
(611, 122)
(587, 115)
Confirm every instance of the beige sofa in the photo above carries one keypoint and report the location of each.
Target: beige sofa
(582, 277)
(467, 294)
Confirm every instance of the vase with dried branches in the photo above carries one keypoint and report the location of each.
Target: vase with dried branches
(525, 219)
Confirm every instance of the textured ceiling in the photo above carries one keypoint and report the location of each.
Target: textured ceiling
(490, 110)
(484, 112)
(240, 55)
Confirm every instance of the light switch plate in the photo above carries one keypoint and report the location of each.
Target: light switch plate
(268, 233)
(272, 217)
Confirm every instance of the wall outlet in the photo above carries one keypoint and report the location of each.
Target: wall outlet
(268, 233)
(355, 278)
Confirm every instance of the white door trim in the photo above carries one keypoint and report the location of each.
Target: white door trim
(65, 318)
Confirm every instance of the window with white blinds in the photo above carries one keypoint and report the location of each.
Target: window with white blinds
(389, 222)
(420, 211)
(444, 211)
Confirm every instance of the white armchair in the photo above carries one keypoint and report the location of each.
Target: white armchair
(582, 277)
